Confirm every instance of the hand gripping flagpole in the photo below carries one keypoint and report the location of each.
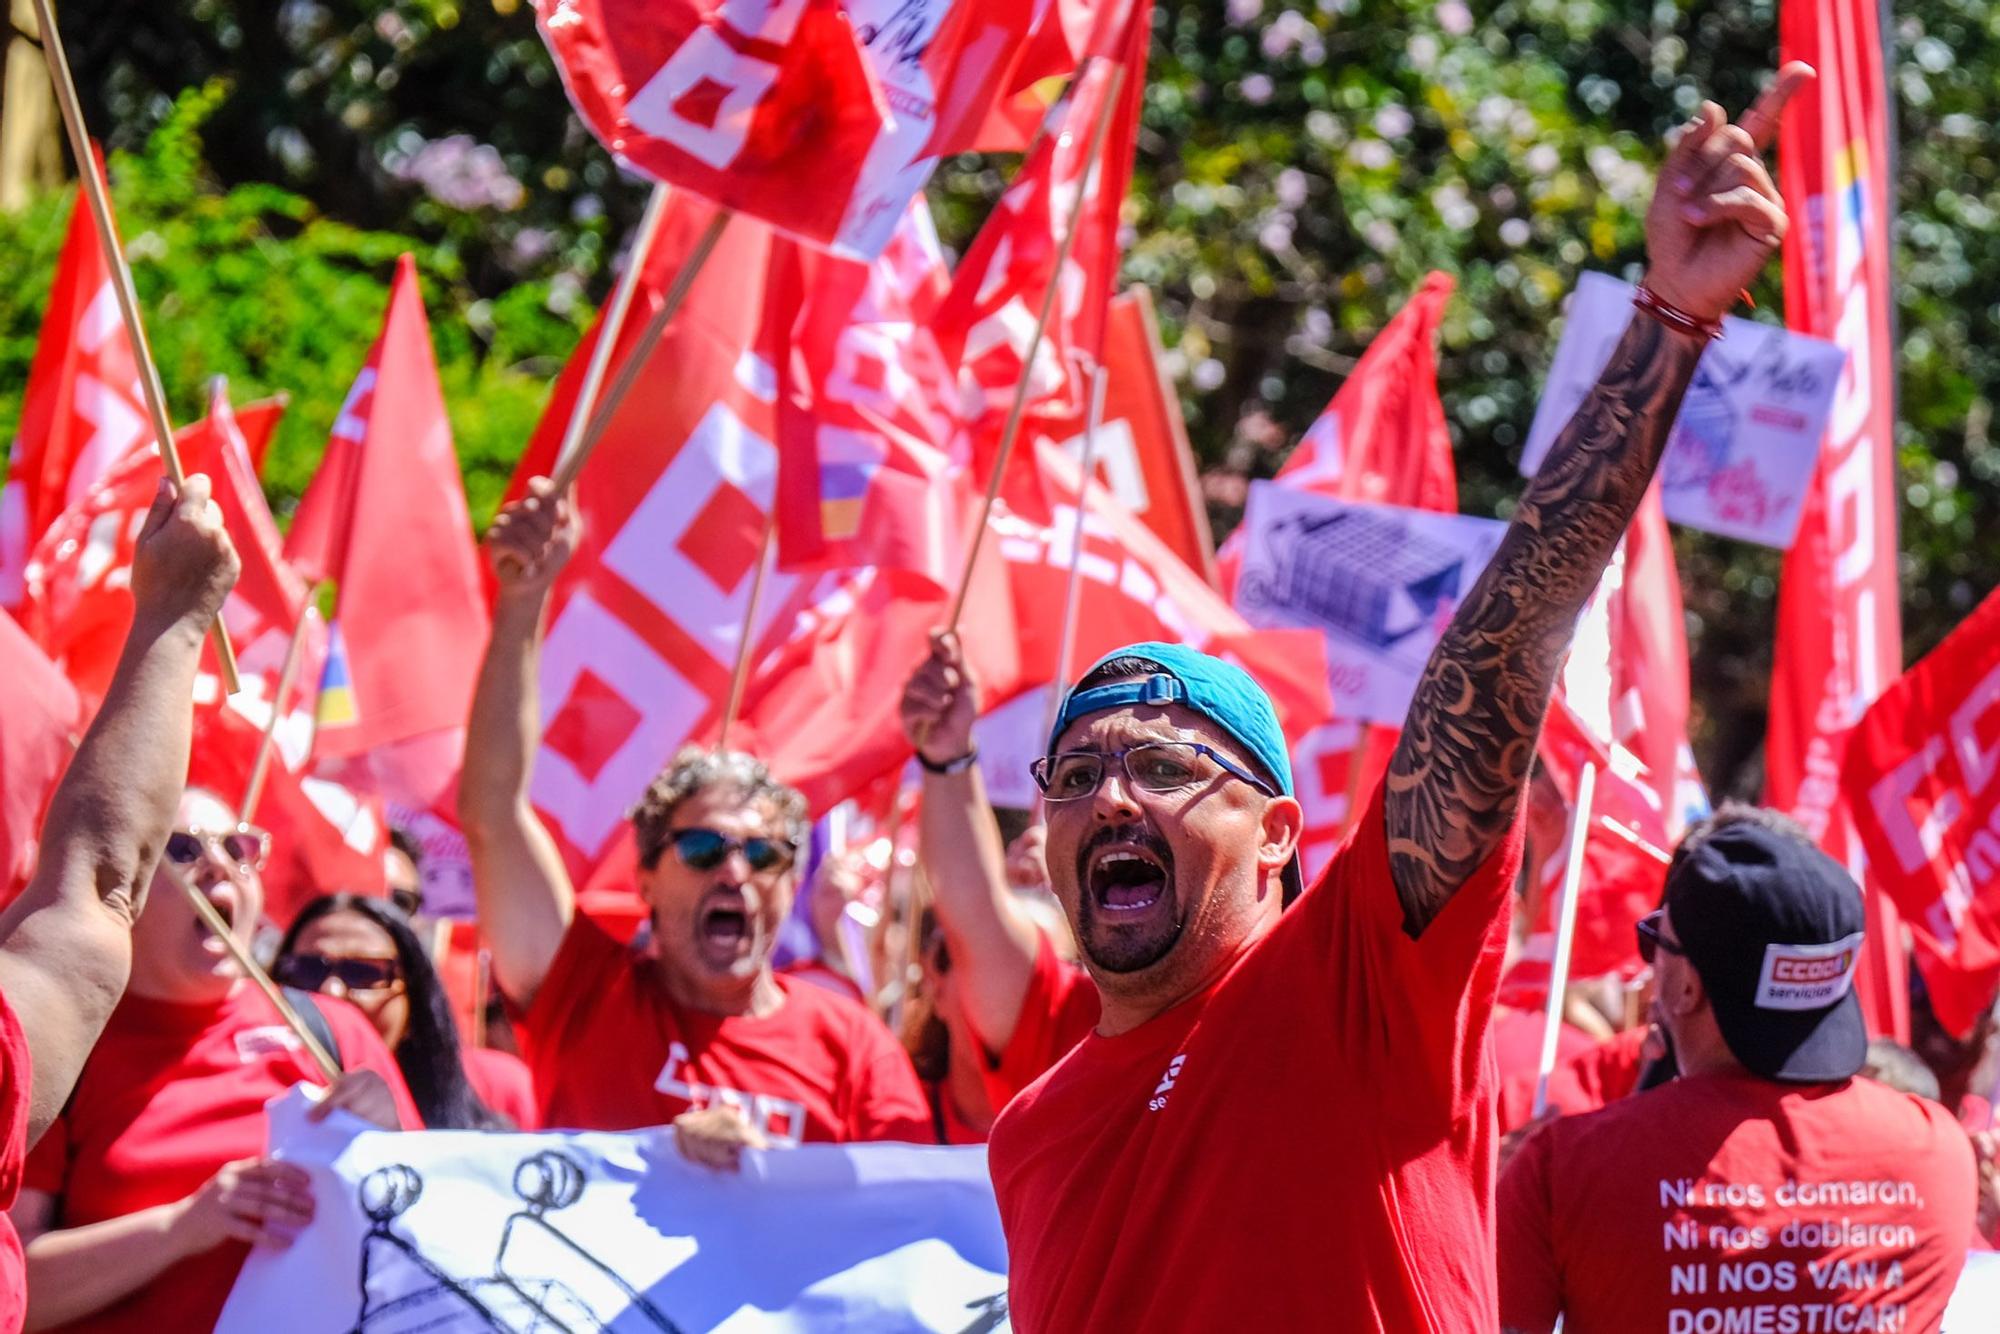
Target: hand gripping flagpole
(1013, 426)
(121, 286)
(579, 445)
(1579, 838)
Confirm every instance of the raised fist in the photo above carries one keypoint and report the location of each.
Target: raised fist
(940, 703)
(1716, 217)
(533, 538)
(183, 564)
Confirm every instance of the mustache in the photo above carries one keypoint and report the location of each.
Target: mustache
(1137, 834)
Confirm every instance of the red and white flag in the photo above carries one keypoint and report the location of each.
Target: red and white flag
(986, 325)
(813, 116)
(385, 518)
(83, 410)
(867, 411)
(38, 732)
(1839, 635)
(1919, 779)
(1141, 454)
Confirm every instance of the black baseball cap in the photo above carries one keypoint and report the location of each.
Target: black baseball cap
(1774, 926)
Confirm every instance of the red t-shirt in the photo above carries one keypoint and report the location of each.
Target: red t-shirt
(1058, 1011)
(1729, 1202)
(612, 1051)
(1516, 1036)
(16, 1079)
(1305, 1145)
(170, 1094)
(816, 972)
(1601, 1073)
(501, 1081)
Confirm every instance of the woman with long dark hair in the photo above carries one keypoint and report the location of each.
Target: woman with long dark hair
(364, 951)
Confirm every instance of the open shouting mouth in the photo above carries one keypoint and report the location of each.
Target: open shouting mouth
(722, 924)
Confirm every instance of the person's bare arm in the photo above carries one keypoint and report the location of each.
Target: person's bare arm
(66, 943)
(524, 894)
(1458, 771)
(992, 938)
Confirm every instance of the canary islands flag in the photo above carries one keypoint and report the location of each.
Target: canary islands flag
(336, 687)
(848, 462)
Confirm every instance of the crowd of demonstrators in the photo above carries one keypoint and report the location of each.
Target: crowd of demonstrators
(142, 1199)
(364, 951)
(1765, 1177)
(698, 1030)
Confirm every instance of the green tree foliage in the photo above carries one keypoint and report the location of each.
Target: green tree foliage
(1302, 164)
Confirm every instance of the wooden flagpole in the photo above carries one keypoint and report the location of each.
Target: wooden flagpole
(267, 745)
(1579, 838)
(571, 465)
(585, 407)
(212, 919)
(739, 676)
(1014, 412)
(1067, 644)
(121, 285)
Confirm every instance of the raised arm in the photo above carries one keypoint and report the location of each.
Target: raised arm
(524, 895)
(66, 943)
(1458, 771)
(992, 938)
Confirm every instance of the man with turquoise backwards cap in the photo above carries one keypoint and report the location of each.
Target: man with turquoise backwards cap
(1283, 1119)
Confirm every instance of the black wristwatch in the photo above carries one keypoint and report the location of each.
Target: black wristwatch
(957, 766)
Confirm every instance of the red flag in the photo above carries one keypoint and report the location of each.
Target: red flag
(259, 423)
(1649, 661)
(786, 112)
(1839, 622)
(1142, 454)
(83, 410)
(1919, 782)
(645, 620)
(38, 731)
(867, 410)
(987, 323)
(386, 518)
(79, 579)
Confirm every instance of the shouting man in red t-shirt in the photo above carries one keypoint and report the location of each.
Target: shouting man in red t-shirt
(698, 1030)
(1284, 1117)
(1768, 1187)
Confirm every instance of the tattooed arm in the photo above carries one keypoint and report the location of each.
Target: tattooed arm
(1458, 771)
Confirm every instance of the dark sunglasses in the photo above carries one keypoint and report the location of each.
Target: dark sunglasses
(245, 846)
(311, 972)
(705, 849)
(1650, 939)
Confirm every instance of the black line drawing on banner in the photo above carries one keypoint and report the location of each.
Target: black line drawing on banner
(543, 1282)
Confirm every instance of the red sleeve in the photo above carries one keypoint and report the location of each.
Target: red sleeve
(503, 1083)
(1414, 1010)
(1058, 1011)
(361, 1048)
(889, 1102)
(587, 956)
(16, 1080)
(1530, 1282)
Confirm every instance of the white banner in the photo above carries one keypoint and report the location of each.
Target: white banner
(1975, 1302)
(450, 1231)
(1382, 581)
(1743, 448)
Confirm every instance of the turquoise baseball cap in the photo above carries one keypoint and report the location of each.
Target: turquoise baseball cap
(1219, 691)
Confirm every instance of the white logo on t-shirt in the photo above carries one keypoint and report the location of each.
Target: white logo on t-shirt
(254, 1044)
(782, 1120)
(1166, 1083)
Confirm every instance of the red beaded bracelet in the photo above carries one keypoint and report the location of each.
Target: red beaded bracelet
(1674, 317)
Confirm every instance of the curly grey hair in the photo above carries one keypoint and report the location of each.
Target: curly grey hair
(698, 770)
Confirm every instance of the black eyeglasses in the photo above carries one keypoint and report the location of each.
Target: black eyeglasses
(311, 972)
(706, 849)
(1650, 938)
(1157, 766)
(245, 846)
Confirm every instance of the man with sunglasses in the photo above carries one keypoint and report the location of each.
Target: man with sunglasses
(1284, 1118)
(696, 1029)
(1768, 1186)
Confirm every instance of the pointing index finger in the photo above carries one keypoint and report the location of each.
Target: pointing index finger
(1760, 122)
